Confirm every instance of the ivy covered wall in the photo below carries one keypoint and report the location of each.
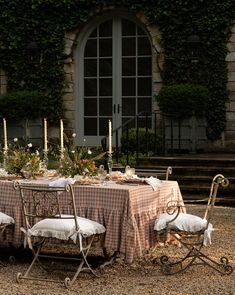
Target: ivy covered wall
(46, 21)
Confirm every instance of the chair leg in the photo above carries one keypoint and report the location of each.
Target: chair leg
(68, 282)
(11, 259)
(26, 274)
(223, 267)
(110, 258)
(2, 264)
(171, 268)
(193, 256)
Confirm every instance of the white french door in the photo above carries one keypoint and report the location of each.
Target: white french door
(114, 70)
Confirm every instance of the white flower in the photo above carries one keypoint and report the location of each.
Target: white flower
(15, 139)
(37, 152)
(73, 151)
(3, 172)
(30, 145)
(74, 135)
(89, 152)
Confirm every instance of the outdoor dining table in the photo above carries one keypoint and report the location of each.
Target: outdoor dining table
(127, 211)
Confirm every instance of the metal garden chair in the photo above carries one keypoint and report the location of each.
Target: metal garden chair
(160, 173)
(50, 213)
(193, 233)
(6, 222)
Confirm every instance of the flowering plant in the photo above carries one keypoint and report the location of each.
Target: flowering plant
(77, 161)
(19, 160)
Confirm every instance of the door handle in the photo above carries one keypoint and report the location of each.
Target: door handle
(118, 110)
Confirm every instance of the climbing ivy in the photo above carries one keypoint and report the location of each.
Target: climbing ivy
(211, 20)
(46, 21)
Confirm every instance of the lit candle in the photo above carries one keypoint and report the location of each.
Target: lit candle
(61, 136)
(110, 137)
(45, 135)
(5, 134)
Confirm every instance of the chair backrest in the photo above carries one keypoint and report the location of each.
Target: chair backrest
(41, 201)
(218, 180)
(160, 173)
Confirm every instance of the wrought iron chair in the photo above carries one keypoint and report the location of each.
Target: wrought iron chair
(6, 222)
(193, 233)
(160, 173)
(50, 213)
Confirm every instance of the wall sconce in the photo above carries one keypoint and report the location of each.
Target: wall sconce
(193, 44)
(33, 53)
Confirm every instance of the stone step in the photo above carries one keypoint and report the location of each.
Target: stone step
(203, 189)
(196, 170)
(202, 170)
(199, 179)
(203, 199)
(195, 173)
(187, 161)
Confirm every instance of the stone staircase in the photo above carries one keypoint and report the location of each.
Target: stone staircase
(194, 173)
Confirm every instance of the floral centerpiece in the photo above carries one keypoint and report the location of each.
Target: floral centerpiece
(77, 161)
(23, 161)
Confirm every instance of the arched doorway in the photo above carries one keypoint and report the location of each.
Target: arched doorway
(113, 75)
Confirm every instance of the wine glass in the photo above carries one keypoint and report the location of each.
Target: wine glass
(102, 173)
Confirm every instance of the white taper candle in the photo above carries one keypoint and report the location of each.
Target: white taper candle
(110, 137)
(61, 136)
(5, 134)
(45, 135)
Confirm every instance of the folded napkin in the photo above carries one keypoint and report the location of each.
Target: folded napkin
(153, 181)
(62, 182)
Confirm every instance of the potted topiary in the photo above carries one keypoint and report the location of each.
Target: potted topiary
(23, 104)
(185, 106)
(183, 100)
(21, 109)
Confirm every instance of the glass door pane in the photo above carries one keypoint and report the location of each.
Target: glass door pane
(136, 73)
(98, 79)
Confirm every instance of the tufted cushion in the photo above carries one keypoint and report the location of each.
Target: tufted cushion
(64, 229)
(4, 218)
(184, 222)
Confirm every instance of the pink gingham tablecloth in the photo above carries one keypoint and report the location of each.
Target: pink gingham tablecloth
(127, 211)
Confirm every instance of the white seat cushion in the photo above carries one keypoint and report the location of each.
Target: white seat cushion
(4, 218)
(64, 229)
(184, 222)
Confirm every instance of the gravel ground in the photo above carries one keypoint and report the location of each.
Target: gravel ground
(143, 277)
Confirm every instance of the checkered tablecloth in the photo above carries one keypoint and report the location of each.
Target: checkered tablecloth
(128, 212)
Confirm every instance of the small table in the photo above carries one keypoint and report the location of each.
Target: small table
(127, 211)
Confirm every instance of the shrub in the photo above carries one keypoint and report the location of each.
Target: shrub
(20, 105)
(144, 142)
(183, 100)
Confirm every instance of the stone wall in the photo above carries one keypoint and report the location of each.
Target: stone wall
(229, 136)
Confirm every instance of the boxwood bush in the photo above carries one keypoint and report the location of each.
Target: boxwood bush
(183, 100)
(18, 105)
(144, 141)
